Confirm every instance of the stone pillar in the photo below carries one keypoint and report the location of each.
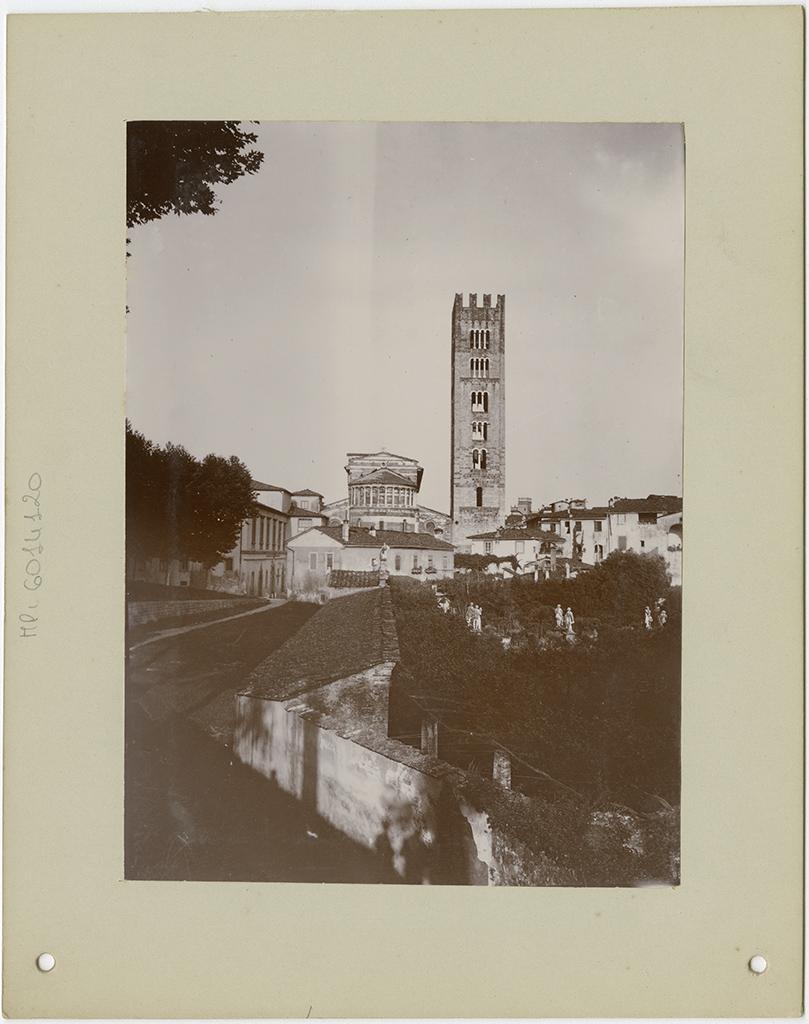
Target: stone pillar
(429, 736)
(501, 769)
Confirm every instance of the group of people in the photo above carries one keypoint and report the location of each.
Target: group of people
(648, 616)
(564, 619)
(474, 617)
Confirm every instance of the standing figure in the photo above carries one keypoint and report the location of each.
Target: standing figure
(661, 617)
(569, 620)
(560, 616)
(647, 617)
(477, 623)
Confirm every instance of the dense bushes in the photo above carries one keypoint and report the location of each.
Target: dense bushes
(597, 720)
(615, 592)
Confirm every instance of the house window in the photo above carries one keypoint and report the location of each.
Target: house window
(599, 552)
(487, 547)
(597, 526)
(415, 561)
(329, 559)
(397, 563)
(577, 527)
(228, 565)
(253, 534)
(520, 546)
(567, 526)
(429, 561)
(621, 518)
(643, 543)
(622, 543)
(303, 504)
(313, 560)
(446, 561)
(304, 524)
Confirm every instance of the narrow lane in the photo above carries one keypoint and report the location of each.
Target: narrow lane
(193, 812)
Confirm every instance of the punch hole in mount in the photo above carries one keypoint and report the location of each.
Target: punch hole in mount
(46, 962)
(758, 965)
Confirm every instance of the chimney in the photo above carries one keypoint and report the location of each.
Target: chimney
(344, 532)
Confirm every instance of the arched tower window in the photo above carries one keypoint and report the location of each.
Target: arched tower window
(486, 341)
(483, 459)
(485, 401)
(475, 458)
(485, 431)
(485, 363)
(479, 497)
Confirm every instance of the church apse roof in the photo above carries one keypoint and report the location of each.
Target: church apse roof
(383, 476)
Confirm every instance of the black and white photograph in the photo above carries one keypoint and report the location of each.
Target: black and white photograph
(404, 516)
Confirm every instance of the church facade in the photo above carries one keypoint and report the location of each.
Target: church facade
(478, 441)
(382, 494)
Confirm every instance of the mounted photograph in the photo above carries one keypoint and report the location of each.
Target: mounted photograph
(404, 514)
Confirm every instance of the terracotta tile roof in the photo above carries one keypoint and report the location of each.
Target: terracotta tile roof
(660, 503)
(347, 636)
(517, 533)
(600, 512)
(259, 486)
(345, 578)
(307, 494)
(383, 476)
(305, 513)
(361, 538)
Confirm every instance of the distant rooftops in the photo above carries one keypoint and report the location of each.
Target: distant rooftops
(359, 537)
(518, 533)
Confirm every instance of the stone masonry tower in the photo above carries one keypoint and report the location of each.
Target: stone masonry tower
(478, 501)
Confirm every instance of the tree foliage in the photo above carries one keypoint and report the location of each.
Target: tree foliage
(180, 507)
(597, 720)
(172, 166)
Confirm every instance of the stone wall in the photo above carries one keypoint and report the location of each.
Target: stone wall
(140, 612)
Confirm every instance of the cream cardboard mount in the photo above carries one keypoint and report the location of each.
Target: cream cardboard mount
(733, 77)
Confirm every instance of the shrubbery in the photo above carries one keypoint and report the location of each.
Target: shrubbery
(597, 720)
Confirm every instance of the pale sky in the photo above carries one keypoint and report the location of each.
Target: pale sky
(311, 316)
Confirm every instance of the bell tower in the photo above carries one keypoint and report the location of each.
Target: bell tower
(478, 460)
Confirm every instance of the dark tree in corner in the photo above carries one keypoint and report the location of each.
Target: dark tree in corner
(172, 166)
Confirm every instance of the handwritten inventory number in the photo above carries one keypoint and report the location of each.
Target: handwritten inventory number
(32, 580)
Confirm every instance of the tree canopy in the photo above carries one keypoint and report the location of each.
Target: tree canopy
(172, 166)
(180, 507)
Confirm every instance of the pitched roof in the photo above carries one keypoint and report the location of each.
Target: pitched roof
(347, 636)
(383, 476)
(517, 533)
(307, 494)
(269, 508)
(306, 513)
(654, 503)
(600, 512)
(259, 486)
(359, 537)
(383, 454)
